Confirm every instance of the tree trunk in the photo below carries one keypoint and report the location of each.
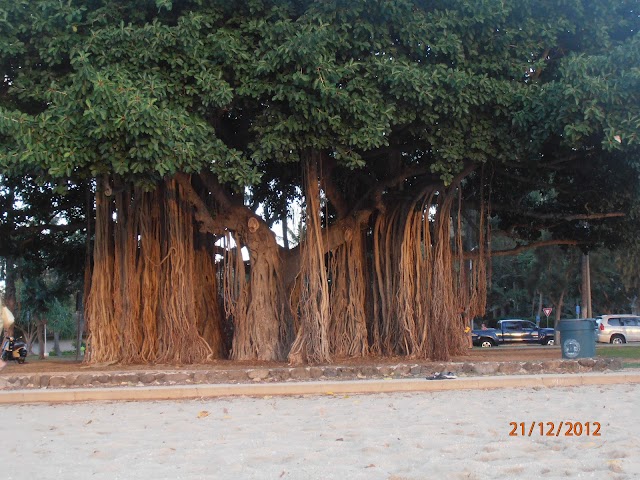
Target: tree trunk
(285, 228)
(41, 340)
(559, 305)
(79, 334)
(9, 298)
(208, 309)
(103, 336)
(586, 287)
(312, 339)
(347, 272)
(56, 343)
(258, 308)
(424, 296)
(540, 305)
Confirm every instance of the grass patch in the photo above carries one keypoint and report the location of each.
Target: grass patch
(619, 352)
(629, 354)
(66, 353)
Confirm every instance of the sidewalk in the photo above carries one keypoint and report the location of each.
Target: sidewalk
(318, 387)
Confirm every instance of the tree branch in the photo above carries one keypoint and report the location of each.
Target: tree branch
(238, 218)
(522, 248)
(558, 216)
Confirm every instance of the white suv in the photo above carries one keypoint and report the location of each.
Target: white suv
(618, 328)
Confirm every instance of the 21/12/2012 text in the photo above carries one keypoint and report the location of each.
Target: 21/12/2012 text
(555, 429)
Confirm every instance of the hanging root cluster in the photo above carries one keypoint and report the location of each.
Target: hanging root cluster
(424, 293)
(312, 340)
(146, 302)
(402, 286)
(347, 300)
(103, 330)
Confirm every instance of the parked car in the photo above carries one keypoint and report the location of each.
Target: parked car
(513, 331)
(618, 329)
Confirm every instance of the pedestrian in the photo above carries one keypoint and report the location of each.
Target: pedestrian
(7, 327)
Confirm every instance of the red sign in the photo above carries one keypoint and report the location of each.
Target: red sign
(547, 311)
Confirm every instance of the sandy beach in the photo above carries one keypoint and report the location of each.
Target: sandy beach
(397, 436)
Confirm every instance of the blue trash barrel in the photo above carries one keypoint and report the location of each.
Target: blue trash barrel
(577, 337)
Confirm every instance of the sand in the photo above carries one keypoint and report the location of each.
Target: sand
(449, 435)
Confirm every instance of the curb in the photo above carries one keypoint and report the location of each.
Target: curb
(177, 392)
(159, 376)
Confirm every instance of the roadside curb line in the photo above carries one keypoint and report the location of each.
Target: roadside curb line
(177, 392)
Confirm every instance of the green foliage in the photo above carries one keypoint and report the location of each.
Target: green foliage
(146, 89)
(60, 317)
(44, 292)
(124, 98)
(544, 94)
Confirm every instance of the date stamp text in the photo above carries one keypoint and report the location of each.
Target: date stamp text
(555, 429)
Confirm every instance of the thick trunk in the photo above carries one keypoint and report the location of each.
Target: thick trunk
(209, 312)
(259, 310)
(285, 229)
(151, 262)
(79, 334)
(127, 287)
(9, 298)
(142, 303)
(260, 335)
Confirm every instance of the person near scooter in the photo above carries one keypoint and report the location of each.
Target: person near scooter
(7, 329)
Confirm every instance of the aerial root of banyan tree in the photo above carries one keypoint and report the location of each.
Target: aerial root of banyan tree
(103, 330)
(254, 299)
(142, 304)
(347, 298)
(400, 285)
(312, 340)
(424, 294)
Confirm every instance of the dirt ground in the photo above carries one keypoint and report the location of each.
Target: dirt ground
(69, 364)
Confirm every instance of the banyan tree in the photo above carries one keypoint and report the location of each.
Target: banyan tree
(169, 275)
(199, 125)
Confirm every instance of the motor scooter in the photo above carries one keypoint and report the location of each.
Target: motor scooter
(14, 349)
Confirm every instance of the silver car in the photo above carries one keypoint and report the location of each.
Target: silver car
(618, 328)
